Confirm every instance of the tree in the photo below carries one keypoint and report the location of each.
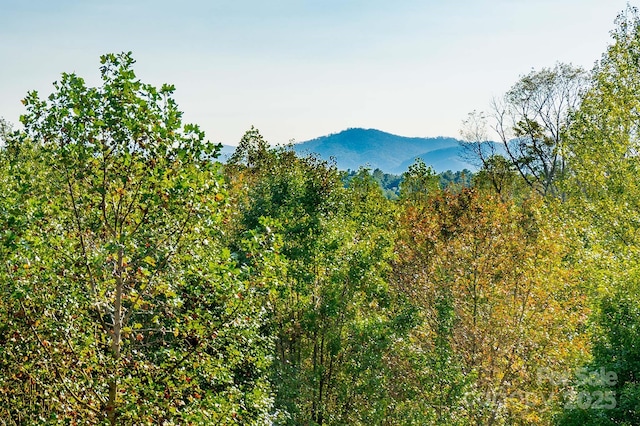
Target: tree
(603, 165)
(251, 149)
(122, 306)
(5, 130)
(418, 182)
(494, 293)
(498, 175)
(456, 181)
(331, 312)
(603, 140)
(530, 121)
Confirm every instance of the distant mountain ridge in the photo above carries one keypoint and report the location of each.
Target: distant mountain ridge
(226, 151)
(357, 147)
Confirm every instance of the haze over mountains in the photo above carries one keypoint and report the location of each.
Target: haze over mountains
(357, 147)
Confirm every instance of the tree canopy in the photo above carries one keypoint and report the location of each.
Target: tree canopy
(144, 282)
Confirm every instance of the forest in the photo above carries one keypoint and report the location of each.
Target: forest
(144, 282)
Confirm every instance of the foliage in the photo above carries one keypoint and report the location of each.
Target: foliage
(531, 121)
(458, 180)
(331, 311)
(6, 129)
(390, 183)
(500, 176)
(605, 198)
(251, 150)
(145, 283)
(121, 305)
(418, 182)
(495, 294)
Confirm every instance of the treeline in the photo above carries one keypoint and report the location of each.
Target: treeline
(145, 283)
(390, 183)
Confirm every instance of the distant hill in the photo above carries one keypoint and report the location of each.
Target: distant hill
(353, 148)
(226, 152)
(441, 160)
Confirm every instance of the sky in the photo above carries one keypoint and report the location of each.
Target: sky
(297, 70)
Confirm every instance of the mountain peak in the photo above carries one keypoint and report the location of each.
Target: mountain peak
(356, 147)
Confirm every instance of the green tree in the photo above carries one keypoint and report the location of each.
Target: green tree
(121, 305)
(499, 174)
(251, 149)
(456, 181)
(418, 182)
(605, 207)
(331, 310)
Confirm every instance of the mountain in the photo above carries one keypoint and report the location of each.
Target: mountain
(441, 160)
(225, 152)
(353, 148)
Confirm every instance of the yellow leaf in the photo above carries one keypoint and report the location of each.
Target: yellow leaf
(150, 261)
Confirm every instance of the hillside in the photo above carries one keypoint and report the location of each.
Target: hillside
(353, 148)
(225, 152)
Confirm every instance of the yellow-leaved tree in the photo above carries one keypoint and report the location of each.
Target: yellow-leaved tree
(502, 311)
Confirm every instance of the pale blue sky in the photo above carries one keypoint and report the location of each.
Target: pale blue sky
(302, 69)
